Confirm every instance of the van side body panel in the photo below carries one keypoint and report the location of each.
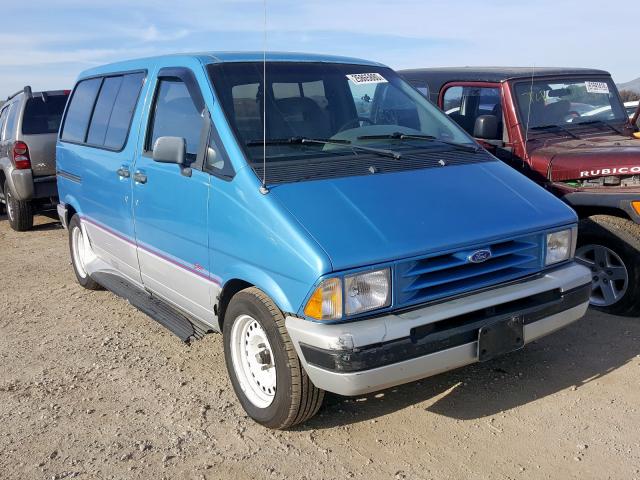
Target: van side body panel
(183, 238)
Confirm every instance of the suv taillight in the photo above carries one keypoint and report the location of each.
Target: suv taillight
(21, 156)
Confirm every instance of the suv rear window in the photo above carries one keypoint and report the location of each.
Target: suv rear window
(43, 116)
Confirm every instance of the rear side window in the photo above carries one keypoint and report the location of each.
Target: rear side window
(10, 127)
(79, 112)
(176, 115)
(43, 115)
(3, 118)
(103, 109)
(107, 111)
(114, 111)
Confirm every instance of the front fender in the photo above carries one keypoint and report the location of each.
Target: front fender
(271, 283)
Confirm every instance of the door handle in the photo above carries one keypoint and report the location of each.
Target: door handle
(123, 172)
(139, 177)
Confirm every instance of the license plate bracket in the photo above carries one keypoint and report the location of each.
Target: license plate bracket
(501, 337)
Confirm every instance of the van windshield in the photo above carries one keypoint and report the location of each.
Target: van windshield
(343, 104)
(546, 103)
(43, 115)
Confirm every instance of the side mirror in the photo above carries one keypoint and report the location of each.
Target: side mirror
(170, 150)
(486, 127)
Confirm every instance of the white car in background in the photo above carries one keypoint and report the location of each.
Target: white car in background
(630, 108)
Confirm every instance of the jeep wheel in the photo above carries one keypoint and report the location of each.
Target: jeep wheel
(80, 250)
(610, 247)
(19, 213)
(265, 371)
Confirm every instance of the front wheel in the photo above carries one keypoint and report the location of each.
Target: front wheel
(264, 369)
(610, 248)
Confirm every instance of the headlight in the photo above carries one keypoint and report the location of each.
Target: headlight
(561, 246)
(367, 291)
(326, 301)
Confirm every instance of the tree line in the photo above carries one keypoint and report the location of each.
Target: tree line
(629, 96)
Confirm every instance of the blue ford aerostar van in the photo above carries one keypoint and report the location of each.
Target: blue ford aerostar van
(361, 241)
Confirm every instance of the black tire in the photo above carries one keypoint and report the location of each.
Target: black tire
(622, 236)
(20, 213)
(296, 398)
(83, 278)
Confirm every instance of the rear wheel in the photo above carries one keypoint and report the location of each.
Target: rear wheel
(80, 250)
(19, 213)
(264, 369)
(610, 248)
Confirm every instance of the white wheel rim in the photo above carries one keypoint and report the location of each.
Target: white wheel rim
(79, 247)
(610, 278)
(7, 199)
(253, 361)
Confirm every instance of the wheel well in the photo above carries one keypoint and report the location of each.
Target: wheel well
(585, 212)
(2, 179)
(70, 213)
(228, 291)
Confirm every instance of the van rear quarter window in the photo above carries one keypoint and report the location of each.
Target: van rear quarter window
(123, 109)
(42, 116)
(79, 111)
(109, 123)
(103, 109)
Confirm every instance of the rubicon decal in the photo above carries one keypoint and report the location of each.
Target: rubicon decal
(610, 171)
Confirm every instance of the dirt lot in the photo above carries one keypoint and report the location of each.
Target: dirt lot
(91, 388)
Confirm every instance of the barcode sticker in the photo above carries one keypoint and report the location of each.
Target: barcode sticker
(597, 87)
(362, 78)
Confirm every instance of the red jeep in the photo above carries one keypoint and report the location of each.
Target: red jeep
(568, 130)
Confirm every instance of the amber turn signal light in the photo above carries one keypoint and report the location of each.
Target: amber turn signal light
(636, 206)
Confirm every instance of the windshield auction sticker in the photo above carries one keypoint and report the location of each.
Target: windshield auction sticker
(597, 87)
(362, 78)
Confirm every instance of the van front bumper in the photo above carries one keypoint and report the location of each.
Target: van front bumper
(377, 353)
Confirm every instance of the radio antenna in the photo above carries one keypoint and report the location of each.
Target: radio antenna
(526, 131)
(263, 188)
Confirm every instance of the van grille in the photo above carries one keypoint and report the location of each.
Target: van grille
(433, 277)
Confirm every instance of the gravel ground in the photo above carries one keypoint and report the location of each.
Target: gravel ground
(92, 388)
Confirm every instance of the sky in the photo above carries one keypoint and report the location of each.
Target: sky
(48, 43)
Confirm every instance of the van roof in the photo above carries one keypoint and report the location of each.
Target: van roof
(221, 57)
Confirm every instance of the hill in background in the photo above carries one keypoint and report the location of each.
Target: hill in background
(633, 85)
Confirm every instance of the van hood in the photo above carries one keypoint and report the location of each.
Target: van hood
(364, 220)
(588, 158)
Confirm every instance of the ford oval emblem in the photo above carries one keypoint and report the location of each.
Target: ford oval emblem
(480, 256)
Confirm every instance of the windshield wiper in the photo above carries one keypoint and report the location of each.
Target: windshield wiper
(601, 122)
(556, 127)
(339, 143)
(428, 138)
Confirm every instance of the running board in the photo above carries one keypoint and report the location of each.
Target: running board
(167, 316)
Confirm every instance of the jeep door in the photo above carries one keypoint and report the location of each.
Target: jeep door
(170, 200)
(470, 104)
